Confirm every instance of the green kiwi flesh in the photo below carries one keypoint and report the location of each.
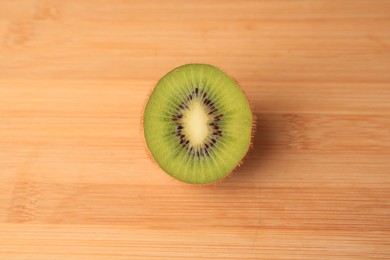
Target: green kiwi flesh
(197, 124)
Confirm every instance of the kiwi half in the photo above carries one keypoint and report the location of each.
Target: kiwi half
(198, 124)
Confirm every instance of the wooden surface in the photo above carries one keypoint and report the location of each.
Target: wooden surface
(75, 178)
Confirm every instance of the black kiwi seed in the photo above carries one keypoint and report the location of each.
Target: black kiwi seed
(203, 150)
(212, 111)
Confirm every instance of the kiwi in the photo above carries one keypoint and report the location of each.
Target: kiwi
(197, 124)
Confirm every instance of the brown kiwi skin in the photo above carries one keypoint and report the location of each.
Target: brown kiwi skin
(219, 181)
(142, 127)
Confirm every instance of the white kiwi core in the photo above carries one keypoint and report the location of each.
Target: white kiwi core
(195, 121)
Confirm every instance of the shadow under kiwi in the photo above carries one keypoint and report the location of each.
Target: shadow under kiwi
(263, 144)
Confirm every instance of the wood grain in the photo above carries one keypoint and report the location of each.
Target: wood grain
(76, 181)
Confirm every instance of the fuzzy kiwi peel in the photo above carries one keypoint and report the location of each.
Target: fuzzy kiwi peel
(198, 124)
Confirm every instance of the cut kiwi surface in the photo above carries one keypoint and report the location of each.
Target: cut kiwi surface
(198, 124)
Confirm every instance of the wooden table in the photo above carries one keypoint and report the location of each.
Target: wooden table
(76, 181)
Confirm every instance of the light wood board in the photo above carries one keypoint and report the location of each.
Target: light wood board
(76, 181)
